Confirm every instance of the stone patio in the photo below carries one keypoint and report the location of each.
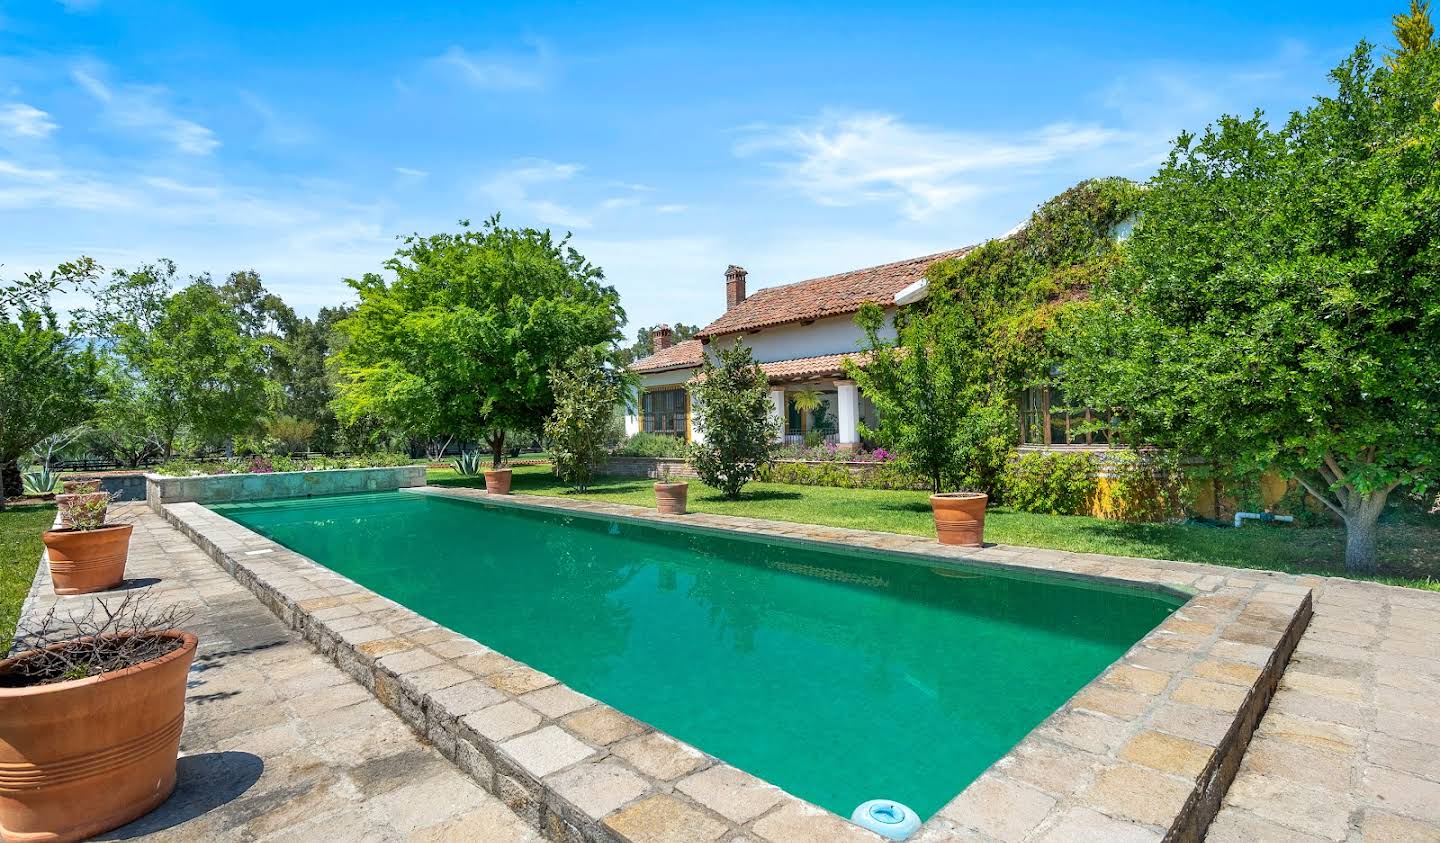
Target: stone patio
(279, 744)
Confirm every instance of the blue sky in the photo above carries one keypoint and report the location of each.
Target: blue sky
(796, 140)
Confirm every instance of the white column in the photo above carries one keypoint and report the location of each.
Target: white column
(632, 414)
(849, 396)
(777, 410)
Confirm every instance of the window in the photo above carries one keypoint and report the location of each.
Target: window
(664, 411)
(1045, 419)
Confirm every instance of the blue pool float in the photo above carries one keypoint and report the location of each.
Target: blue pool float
(887, 818)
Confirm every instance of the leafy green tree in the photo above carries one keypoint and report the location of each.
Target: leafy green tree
(587, 391)
(121, 427)
(1414, 32)
(1279, 304)
(463, 340)
(731, 400)
(310, 388)
(934, 407)
(192, 364)
(48, 383)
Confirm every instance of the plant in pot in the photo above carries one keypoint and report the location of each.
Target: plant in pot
(91, 710)
(497, 481)
(87, 553)
(670, 494)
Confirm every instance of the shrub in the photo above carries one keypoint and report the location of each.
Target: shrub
(1144, 486)
(41, 481)
(468, 464)
(1052, 483)
(586, 394)
(732, 404)
(651, 445)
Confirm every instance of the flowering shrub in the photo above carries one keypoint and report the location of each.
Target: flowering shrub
(830, 452)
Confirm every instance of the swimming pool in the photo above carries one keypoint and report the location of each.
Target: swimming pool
(838, 676)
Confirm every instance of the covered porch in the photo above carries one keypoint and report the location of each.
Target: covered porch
(814, 403)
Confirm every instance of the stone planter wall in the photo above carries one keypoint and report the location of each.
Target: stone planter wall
(228, 488)
(647, 467)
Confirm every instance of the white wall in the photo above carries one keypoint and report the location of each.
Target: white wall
(831, 335)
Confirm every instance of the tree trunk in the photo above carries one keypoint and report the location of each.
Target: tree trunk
(1362, 514)
(11, 484)
(497, 448)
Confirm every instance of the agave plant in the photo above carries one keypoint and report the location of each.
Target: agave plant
(468, 464)
(41, 482)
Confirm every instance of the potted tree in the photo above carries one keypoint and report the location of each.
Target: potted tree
(670, 495)
(87, 553)
(497, 481)
(936, 413)
(91, 712)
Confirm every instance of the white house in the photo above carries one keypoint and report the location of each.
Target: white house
(800, 333)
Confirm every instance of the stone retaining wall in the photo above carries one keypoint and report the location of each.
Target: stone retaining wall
(1145, 752)
(228, 488)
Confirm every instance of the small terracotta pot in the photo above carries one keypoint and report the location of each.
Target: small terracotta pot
(82, 561)
(497, 481)
(960, 518)
(80, 487)
(670, 498)
(81, 757)
(67, 501)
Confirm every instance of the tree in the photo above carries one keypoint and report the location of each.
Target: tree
(644, 344)
(194, 366)
(1279, 302)
(1414, 33)
(121, 429)
(933, 406)
(463, 340)
(587, 391)
(48, 382)
(732, 410)
(310, 387)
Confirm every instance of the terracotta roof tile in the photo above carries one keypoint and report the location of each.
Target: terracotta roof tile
(828, 296)
(681, 355)
(811, 367)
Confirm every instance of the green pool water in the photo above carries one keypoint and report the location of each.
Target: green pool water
(839, 676)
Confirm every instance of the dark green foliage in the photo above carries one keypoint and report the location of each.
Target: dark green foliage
(731, 400)
(587, 390)
(1279, 304)
(463, 340)
(48, 382)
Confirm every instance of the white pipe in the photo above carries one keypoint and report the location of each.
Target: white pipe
(1261, 516)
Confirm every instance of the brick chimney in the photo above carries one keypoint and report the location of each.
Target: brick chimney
(660, 337)
(734, 286)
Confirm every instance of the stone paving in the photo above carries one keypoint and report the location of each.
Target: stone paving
(279, 744)
(1350, 748)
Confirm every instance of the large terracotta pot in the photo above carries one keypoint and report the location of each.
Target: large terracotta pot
(81, 757)
(67, 501)
(670, 498)
(497, 481)
(82, 561)
(960, 517)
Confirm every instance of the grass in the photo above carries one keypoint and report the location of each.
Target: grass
(20, 549)
(1408, 541)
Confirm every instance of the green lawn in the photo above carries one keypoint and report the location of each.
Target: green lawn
(20, 549)
(1408, 542)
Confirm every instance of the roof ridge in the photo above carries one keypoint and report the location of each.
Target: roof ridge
(916, 259)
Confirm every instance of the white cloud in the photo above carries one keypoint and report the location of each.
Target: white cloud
(671, 209)
(25, 121)
(513, 190)
(496, 71)
(411, 172)
(846, 159)
(141, 107)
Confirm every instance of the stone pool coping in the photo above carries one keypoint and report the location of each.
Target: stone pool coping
(1143, 752)
(162, 489)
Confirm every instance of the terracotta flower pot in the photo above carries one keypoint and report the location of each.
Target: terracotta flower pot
(81, 757)
(670, 498)
(82, 561)
(80, 487)
(497, 481)
(960, 517)
(68, 501)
